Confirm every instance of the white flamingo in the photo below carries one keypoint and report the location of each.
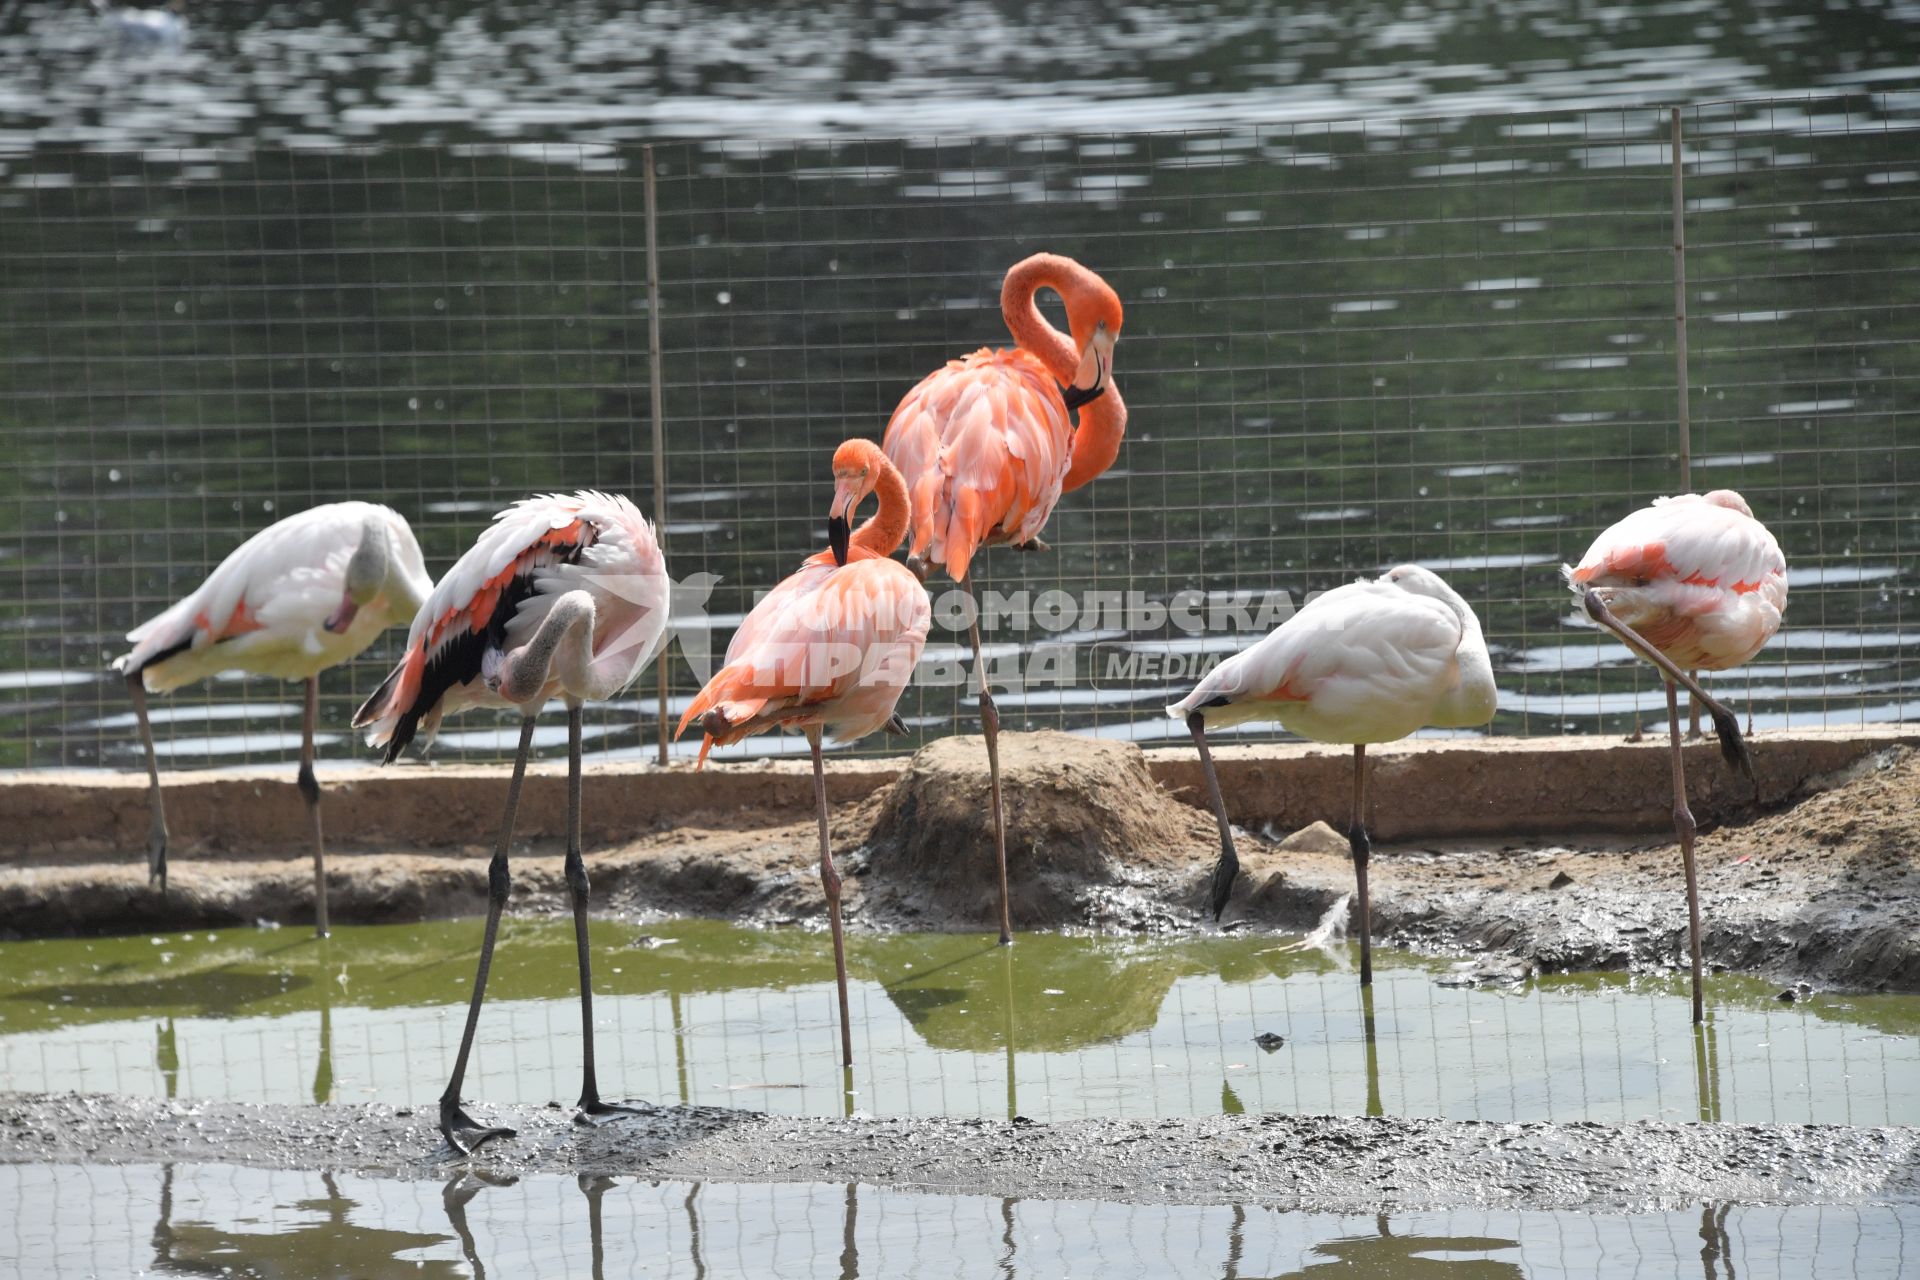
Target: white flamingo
(562, 596)
(302, 595)
(1367, 662)
(1690, 583)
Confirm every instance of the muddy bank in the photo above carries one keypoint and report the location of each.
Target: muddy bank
(1287, 1162)
(1819, 888)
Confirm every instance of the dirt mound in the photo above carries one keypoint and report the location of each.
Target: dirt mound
(1084, 818)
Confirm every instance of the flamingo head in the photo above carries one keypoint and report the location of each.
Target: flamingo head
(856, 470)
(1094, 317)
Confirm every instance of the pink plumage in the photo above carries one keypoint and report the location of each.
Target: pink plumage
(497, 596)
(1696, 576)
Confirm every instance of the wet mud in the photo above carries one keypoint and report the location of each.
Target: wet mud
(1304, 1162)
(1817, 886)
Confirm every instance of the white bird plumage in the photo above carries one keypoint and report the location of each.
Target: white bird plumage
(304, 594)
(1372, 661)
(562, 595)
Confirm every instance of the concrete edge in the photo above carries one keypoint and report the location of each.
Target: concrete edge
(1433, 789)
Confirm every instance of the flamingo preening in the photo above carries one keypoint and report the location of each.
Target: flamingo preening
(1367, 662)
(304, 594)
(831, 648)
(562, 596)
(1690, 583)
(986, 448)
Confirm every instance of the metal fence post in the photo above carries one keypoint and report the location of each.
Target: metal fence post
(658, 408)
(1680, 306)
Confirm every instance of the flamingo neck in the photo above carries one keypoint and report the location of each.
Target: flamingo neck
(884, 530)
(1030, 330)
(1096, 443)
(1474, 699)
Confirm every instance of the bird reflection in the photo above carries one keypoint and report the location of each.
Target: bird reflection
(287, 1249)
(1373, 1053)
(1716, 1245)
(166, 1056)
(454, 1197)
(1407, 1257)
(1706, 1074)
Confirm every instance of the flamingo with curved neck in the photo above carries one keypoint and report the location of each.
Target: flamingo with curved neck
(830, 649)
(988, 443)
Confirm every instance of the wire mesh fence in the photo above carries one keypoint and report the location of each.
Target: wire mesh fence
(1347, 345)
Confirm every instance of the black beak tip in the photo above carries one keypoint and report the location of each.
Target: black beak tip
(1077, 399)
(839, 537)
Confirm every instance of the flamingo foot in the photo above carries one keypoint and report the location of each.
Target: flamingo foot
(462, 1132)
(593, 1113)
(918, 567)
(1031, 544)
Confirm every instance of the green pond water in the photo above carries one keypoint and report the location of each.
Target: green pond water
(1053, 1028)
(230, 1221)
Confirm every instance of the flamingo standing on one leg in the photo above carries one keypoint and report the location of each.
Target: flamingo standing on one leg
(561, 596)
(831, 648)
(302, 595)
(1367, 662)
(987, 450)
(1690, 583)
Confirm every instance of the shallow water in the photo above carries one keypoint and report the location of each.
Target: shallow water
(1053, 1028)
(84, 1220)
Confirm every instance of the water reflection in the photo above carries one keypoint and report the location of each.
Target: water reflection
(224, 1220)
(1060, 1027)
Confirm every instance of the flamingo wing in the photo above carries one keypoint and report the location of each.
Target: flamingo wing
(275, 589)
(1366, 662)
(984, 445)
(832, 645)
(496, 595)
(1696, 575)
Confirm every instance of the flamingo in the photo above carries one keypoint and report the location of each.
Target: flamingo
(304, 594)
(1692, 582)
(986, 448)
(563, 595)
(1367, 662)
(831, 648)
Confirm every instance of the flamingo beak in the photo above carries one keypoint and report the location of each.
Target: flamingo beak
(1090, 380)
(342, 616)
(839, 519)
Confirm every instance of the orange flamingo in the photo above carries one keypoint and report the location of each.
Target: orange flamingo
(1690, 582)
(987, 449)
(831, 648)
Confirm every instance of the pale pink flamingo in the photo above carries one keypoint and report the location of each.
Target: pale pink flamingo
(1690, 583)
(563, 596)
(830, 649)
(304, 594)
(986, 447)
(1367, 662)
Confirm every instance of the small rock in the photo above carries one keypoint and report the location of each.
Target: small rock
(1269, 1041)
(1560, 881)
(1787, 996)
(1317, 838)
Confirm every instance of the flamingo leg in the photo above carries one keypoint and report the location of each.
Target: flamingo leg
(157, 811)
(990, 730)
(1693, 714)
(310, 792)
(1220, 887)
(1733, 746)
(578, 889)
(462, 1132)
(830, 881)
(1684, 825)
(1362, 850)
